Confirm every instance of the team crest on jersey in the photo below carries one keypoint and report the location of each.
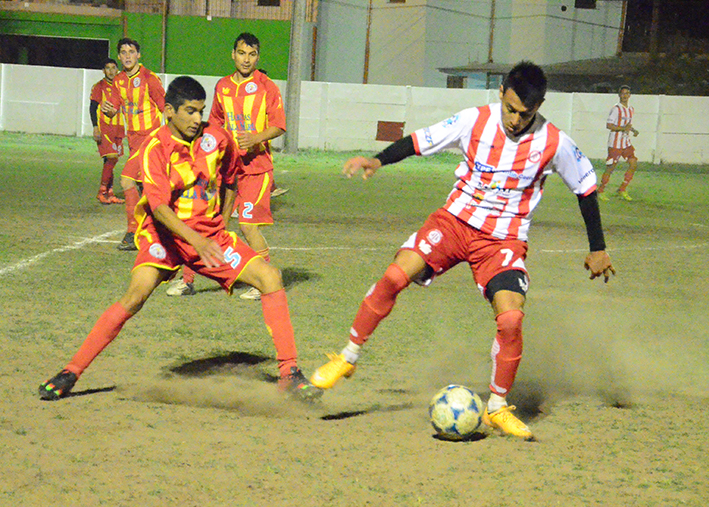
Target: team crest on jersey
(157, 251)
(450, 121)
(251, 87)
(136, 82)
(578, 153)
(534, 156)
(434, 237)
(208, 143)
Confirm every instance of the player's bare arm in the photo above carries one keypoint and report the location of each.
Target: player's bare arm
(209, 251)
(247, 140)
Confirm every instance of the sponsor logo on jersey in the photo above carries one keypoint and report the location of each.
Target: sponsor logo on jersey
(435, 236)
(534, 156)
(157, 251)
(577, 153)
(225, 90)
(484, 168)
(251, 87)
(586, 175)
(208, 143)
(450, 121)
(136, 82)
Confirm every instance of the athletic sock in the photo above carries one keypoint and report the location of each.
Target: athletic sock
(187, 275)
(104, 331)
(604, 181)
(626, 180)
(351, 352)
(378, 303)
(506, 351)
(107, 173)
(277, 319)
(132, 197)
(495, 403)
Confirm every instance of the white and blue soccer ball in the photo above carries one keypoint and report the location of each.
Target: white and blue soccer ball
(456, 412)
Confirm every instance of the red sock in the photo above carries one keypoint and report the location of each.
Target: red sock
(105, 330)
(277, 319)
(107, 173)
(506, 351)
(378, 303)
(604, 181)
(132, 197)
(187, 275)
(626, 180)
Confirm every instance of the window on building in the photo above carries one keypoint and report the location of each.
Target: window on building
(53, 51)
(456, 82)
(269, 3)
(397, 1)
(585, 4)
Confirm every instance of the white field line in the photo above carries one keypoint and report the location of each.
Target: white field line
(103, 238)
(25, 263)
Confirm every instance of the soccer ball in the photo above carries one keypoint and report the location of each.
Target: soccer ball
(455, 412)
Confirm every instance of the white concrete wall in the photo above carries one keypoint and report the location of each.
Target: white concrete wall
(340, 116)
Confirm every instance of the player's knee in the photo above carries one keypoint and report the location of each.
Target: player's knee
(267, 278)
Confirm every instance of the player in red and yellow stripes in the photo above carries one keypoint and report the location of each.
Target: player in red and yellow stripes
(108, 132)
(189, 171)
(139, 95)
(249, 106)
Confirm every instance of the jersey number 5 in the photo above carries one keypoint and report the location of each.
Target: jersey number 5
(232, 257)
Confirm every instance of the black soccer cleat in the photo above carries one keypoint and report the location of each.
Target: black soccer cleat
(298, 386)
(128, 242)
(58, 386)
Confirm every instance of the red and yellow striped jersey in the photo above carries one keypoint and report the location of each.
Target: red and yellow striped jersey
(141, 97)
(101, 92)
(187, 177)
(252, 105)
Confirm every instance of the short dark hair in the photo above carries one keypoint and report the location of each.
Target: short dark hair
(528, 81)
(130, 42)
(182, 89)
(107, 61)
(624, 87)
(249, 39)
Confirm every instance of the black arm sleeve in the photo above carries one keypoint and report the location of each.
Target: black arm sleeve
(591, 214)
(93, 107)
(397, 151)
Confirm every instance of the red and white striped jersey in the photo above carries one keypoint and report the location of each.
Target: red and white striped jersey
(500, 180)
(620, 116)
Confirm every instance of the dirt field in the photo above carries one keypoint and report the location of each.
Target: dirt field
(182, 409)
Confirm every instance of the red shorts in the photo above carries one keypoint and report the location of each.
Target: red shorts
(444, 240)
(253, 198)
(168, 254)
(615, 154)
(111, 144)
(132, 168)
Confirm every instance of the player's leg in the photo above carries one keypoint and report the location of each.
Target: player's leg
(117, 147)
(623, 189)
(144, 279)
(129, 178)
(611, 163)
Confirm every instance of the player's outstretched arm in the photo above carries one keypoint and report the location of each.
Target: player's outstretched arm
(368, 165)
(599, 263)
(393, 153)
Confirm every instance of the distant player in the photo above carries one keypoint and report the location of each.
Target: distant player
(108, 132)
(189, 177)
(248, 105)
(620, 124)
(140, 96)
(509, 149)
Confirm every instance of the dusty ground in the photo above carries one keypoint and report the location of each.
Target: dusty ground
(182, 410)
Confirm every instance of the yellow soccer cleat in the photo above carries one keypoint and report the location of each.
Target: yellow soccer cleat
(602, 196)
(328, 374)
(624, 195)
(505, 421)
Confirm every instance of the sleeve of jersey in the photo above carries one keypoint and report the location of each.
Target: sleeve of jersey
(95, 94)
(156, 180)
(574, 167)
(216, 115)
(156, 91)
(613, 117)
(274, 107)
(443, 135)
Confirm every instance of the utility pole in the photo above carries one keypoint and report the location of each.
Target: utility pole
(365, 74)
(654, 30)
(295, 58)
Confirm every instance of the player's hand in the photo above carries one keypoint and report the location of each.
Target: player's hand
(247, 140)
(368, 165)
(210, 252)
(97, 135)
(599, 263)
(108, 109)
(635, 132)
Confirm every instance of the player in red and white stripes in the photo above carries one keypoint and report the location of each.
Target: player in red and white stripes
(508, 150)
(620, 125)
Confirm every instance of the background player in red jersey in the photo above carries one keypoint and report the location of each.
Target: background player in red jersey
(181, 222)
(248, 105)
(108, 132)
(139, 95)
(509, 149)
(620, 125)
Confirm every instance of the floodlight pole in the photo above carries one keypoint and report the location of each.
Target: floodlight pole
(295, 58)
